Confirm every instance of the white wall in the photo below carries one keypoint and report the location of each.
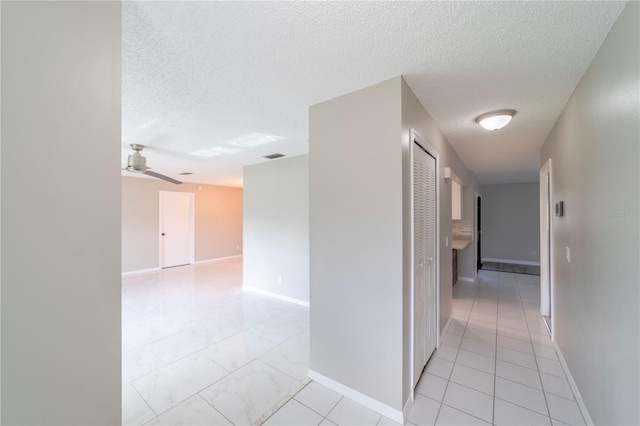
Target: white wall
(276, 227)
(61, 64)
(594, 147)
(218, 221)
(511, 222)
(414, 116)
(467, 256)
(360, 226)
(356, 250)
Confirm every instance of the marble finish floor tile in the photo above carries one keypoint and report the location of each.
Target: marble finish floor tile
(350, 413)
(494, 345)
(193, 411)
(290, 357)
(294, 414)
(319, 398)
(170, 385)
(135, 411)
(249, 393)
(238, 350)
(185, 328)
(139, 362)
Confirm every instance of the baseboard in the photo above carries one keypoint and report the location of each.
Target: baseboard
(140, 271)
(515, 262)
(467, 279)
(360, 398)
(216, 259)
(574, 386)
(445, 330)
(275, 295)
(407, 410)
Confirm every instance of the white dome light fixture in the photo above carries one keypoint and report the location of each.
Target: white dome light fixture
(495, 120)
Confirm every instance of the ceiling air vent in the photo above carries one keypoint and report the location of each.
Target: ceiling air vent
(185, 173)
(274, 156)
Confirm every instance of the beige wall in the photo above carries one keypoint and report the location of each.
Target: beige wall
(276, 227)
(218, 221)
(511, 222)
(60, 235)
(595, 153)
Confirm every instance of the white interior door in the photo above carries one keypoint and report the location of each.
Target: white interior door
(424, 253)
(176, 228)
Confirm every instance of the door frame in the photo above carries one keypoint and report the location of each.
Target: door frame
(546, 250)
(417, 139)
(192, 239)
(477, 230)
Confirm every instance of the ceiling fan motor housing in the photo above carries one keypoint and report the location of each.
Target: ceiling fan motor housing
(137, 163)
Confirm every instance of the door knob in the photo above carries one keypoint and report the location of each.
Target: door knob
(163, 234)
(431, 259)
(420, 265)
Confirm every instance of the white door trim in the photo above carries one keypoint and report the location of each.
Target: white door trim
(416, 138)
(474, 239)
(546, 241)
(192, 206)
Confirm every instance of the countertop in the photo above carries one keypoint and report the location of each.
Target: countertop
(460, 234)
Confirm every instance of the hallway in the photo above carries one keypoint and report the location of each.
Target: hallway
(496, 365)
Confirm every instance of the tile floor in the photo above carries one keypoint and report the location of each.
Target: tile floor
(200, 351)
(197, 350)
(496, 365)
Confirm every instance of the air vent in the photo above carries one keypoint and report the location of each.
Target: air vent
(274, 156)
(185, 173)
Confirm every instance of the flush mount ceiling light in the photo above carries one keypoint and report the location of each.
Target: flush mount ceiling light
(495, 120)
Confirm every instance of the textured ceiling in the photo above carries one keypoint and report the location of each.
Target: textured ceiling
(202, 80)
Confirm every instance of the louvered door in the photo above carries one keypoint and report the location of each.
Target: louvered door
(424, 241)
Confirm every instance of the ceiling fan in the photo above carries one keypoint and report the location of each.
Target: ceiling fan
(136, 163)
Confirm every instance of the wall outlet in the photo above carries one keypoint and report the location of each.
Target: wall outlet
(279, 279)
(533, 252)
(238, 247)
(568, 254)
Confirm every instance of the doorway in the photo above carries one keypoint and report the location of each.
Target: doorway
(424, 256)
(546, 258)
(478, 233)
(176, 228)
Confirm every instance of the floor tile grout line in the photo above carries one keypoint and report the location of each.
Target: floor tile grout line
(468, 414)
(145, 401)
(457, 352)
(539, 376)
(495, 366)
(211, 405)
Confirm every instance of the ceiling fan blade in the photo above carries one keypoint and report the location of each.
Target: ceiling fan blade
(163, 177)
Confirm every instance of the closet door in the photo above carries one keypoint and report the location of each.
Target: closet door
(424, 251)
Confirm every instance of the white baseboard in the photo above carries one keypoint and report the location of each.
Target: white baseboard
(275, 295)
(516, 262)
(140, 271)
(156, 269)
(467, 279)
(407, 410)
(360, 398)
(574, 386)
(216, 259)
(445, 329)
